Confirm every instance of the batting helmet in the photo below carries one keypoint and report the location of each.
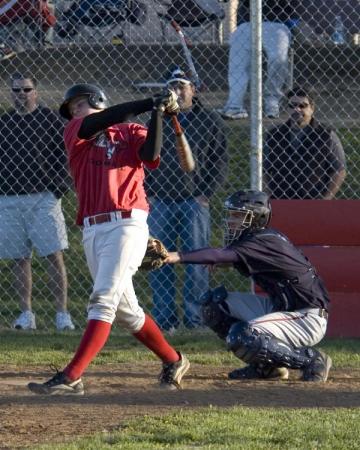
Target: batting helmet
(96, 97)
(247, 209)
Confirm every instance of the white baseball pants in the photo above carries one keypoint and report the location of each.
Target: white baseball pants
(298, 328)
(114, 251)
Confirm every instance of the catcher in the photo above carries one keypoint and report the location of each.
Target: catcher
(270, 334)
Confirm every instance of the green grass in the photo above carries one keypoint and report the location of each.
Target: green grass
(206, 428)
(36, 348)
(232, 429)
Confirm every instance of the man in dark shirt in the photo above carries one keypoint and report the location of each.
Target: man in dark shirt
(33, 177)
(303, 159)
(276, 332)
(180, 201)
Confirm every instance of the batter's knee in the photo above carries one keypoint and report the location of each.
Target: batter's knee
(100, 311)
(131, 321)
(129, 315)
(214, 311)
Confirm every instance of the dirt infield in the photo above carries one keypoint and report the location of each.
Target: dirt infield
(116, 393)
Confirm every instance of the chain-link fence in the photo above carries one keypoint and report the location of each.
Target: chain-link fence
(129, 48)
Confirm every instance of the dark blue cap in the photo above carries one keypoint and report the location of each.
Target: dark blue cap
(178, 75)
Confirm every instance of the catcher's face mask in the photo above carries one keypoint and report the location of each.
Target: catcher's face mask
(236, 221)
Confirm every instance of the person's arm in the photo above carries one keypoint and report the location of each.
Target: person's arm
(150, 150)
(335, 183)
(214, 172)
(94, 123)
(337, 177)
(56, 159)
(204, 256)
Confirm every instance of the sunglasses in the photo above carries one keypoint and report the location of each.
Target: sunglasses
(298, 105)
(25, 89)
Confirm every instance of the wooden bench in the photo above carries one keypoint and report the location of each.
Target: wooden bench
(328, 233)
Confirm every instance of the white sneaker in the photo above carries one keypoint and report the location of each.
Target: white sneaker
(26, 321)
(6, 52)
(272, 111)
(63, 321)
(171, 331)
(233, 114)
(59, 384)
(172, 373)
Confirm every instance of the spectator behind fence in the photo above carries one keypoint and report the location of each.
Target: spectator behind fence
(100, 13)
(6, 52)
(180, 201)
(33, 177)
(278, 18)
(303, 159)
(37, 16)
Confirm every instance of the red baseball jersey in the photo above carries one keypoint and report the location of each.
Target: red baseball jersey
(107, 171)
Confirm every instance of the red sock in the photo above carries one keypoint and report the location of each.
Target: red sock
(93, 340)
(151, 336)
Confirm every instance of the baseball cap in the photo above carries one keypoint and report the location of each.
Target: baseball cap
(178, 75)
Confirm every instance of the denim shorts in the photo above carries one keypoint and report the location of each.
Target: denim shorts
(31, 222)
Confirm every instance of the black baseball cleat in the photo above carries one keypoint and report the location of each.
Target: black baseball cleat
(318, 369)
(59, 384)
(252, 372)
(172, 373)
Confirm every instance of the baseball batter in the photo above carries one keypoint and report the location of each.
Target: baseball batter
(273, 333)
(107, 160)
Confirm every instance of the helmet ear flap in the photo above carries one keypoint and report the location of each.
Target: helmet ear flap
(261, 220)
(262, 217)
(97, 101)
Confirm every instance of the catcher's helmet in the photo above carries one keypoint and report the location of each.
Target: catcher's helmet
(96, 97)
(247, 209)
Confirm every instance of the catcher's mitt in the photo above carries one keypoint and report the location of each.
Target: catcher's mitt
(155, 255)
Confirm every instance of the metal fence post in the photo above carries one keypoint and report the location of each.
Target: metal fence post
(256, 122)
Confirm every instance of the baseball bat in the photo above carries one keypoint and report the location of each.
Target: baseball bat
(185, 45)
(183, 149)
